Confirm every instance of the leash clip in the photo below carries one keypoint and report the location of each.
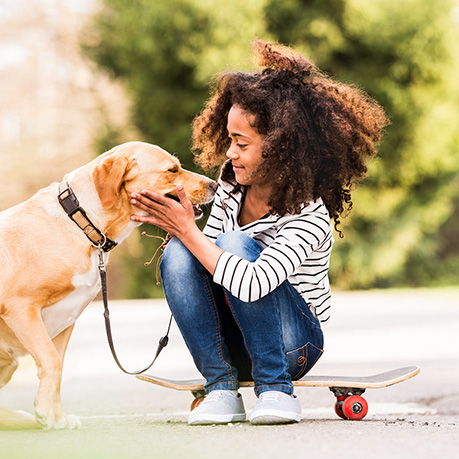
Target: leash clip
(101, 258)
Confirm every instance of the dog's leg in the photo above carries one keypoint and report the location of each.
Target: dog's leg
(7, 369)
(30, 330)
(63, 420)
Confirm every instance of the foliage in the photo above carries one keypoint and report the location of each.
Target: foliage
(403, 228)
(405, 55)
(166, 52)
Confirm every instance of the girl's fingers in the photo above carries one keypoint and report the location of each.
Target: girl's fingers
(150, 196)
(140, 205)
(181, 193)
(163, 211)
(184, 200)
(145, 203)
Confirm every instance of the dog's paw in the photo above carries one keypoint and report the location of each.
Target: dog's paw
(44, 420)
(68, 421)
(51, 422)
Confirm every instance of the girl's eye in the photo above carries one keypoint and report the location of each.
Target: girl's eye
(239, 145)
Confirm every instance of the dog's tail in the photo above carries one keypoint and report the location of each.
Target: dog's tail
(17, 420)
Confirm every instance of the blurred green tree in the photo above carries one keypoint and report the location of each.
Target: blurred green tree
(405, 54)
(166, 52)
(403, 229)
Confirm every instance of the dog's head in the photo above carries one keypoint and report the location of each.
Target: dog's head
(134, 166)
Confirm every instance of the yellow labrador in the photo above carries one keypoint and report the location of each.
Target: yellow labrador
(49, 262)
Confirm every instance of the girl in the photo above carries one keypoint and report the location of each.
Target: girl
(250, 293)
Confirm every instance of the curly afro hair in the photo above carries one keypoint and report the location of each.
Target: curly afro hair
(317, 133)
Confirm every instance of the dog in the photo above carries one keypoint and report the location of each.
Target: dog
(49, 262)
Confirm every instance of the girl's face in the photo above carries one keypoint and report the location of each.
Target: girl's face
(246, 146)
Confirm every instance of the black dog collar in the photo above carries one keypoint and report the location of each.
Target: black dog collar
(70, 204)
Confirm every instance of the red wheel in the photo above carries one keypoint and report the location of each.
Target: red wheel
(195, 403)
(355, 407)
(339, 406)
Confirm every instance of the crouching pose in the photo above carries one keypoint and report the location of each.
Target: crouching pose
(251, 293)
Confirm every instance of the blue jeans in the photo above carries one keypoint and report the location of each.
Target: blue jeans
(273, 340)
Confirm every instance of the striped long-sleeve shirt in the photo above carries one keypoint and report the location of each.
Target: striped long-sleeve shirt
(295, 248)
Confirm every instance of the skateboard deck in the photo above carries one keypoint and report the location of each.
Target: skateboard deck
(348, 389)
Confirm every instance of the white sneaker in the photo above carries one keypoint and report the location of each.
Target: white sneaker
(219, 407)
(274, 407)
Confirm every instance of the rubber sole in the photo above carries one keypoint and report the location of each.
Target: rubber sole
(216, 419)
(269, 418)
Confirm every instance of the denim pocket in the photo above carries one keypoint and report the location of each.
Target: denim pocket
(301, 360)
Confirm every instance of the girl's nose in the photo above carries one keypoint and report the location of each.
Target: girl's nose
(231, 153)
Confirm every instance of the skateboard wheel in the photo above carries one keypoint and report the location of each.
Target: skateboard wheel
(339, 407)
(195, 403)
(354, 408)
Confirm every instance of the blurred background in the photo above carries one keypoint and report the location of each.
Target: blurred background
(81, 76)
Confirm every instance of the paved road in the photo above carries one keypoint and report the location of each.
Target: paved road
(370, 332)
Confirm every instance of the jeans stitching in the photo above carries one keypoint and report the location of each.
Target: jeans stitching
(312, 320)
(283, 388)
(302, 360)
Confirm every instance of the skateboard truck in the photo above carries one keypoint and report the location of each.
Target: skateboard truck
(198, 394)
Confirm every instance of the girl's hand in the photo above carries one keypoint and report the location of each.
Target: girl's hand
(177, 218)
(170, 215)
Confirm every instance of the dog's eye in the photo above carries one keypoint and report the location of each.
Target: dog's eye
(174, 169)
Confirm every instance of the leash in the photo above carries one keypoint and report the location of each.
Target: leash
(161, 247)
(163, 340)
(75, 212)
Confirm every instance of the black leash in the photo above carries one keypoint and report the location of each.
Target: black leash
(70, 204)
(162, 342)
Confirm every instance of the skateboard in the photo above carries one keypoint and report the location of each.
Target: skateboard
(348, 390)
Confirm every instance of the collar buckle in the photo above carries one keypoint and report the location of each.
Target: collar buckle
(70, 204)
(69, 201)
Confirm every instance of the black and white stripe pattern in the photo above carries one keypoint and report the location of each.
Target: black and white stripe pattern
(296, 248)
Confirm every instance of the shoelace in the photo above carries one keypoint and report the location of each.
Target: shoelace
(269, 396)
(214, 396)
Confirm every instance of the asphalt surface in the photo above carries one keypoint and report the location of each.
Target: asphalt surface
(370, 332)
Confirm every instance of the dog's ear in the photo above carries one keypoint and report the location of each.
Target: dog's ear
(108, 177)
